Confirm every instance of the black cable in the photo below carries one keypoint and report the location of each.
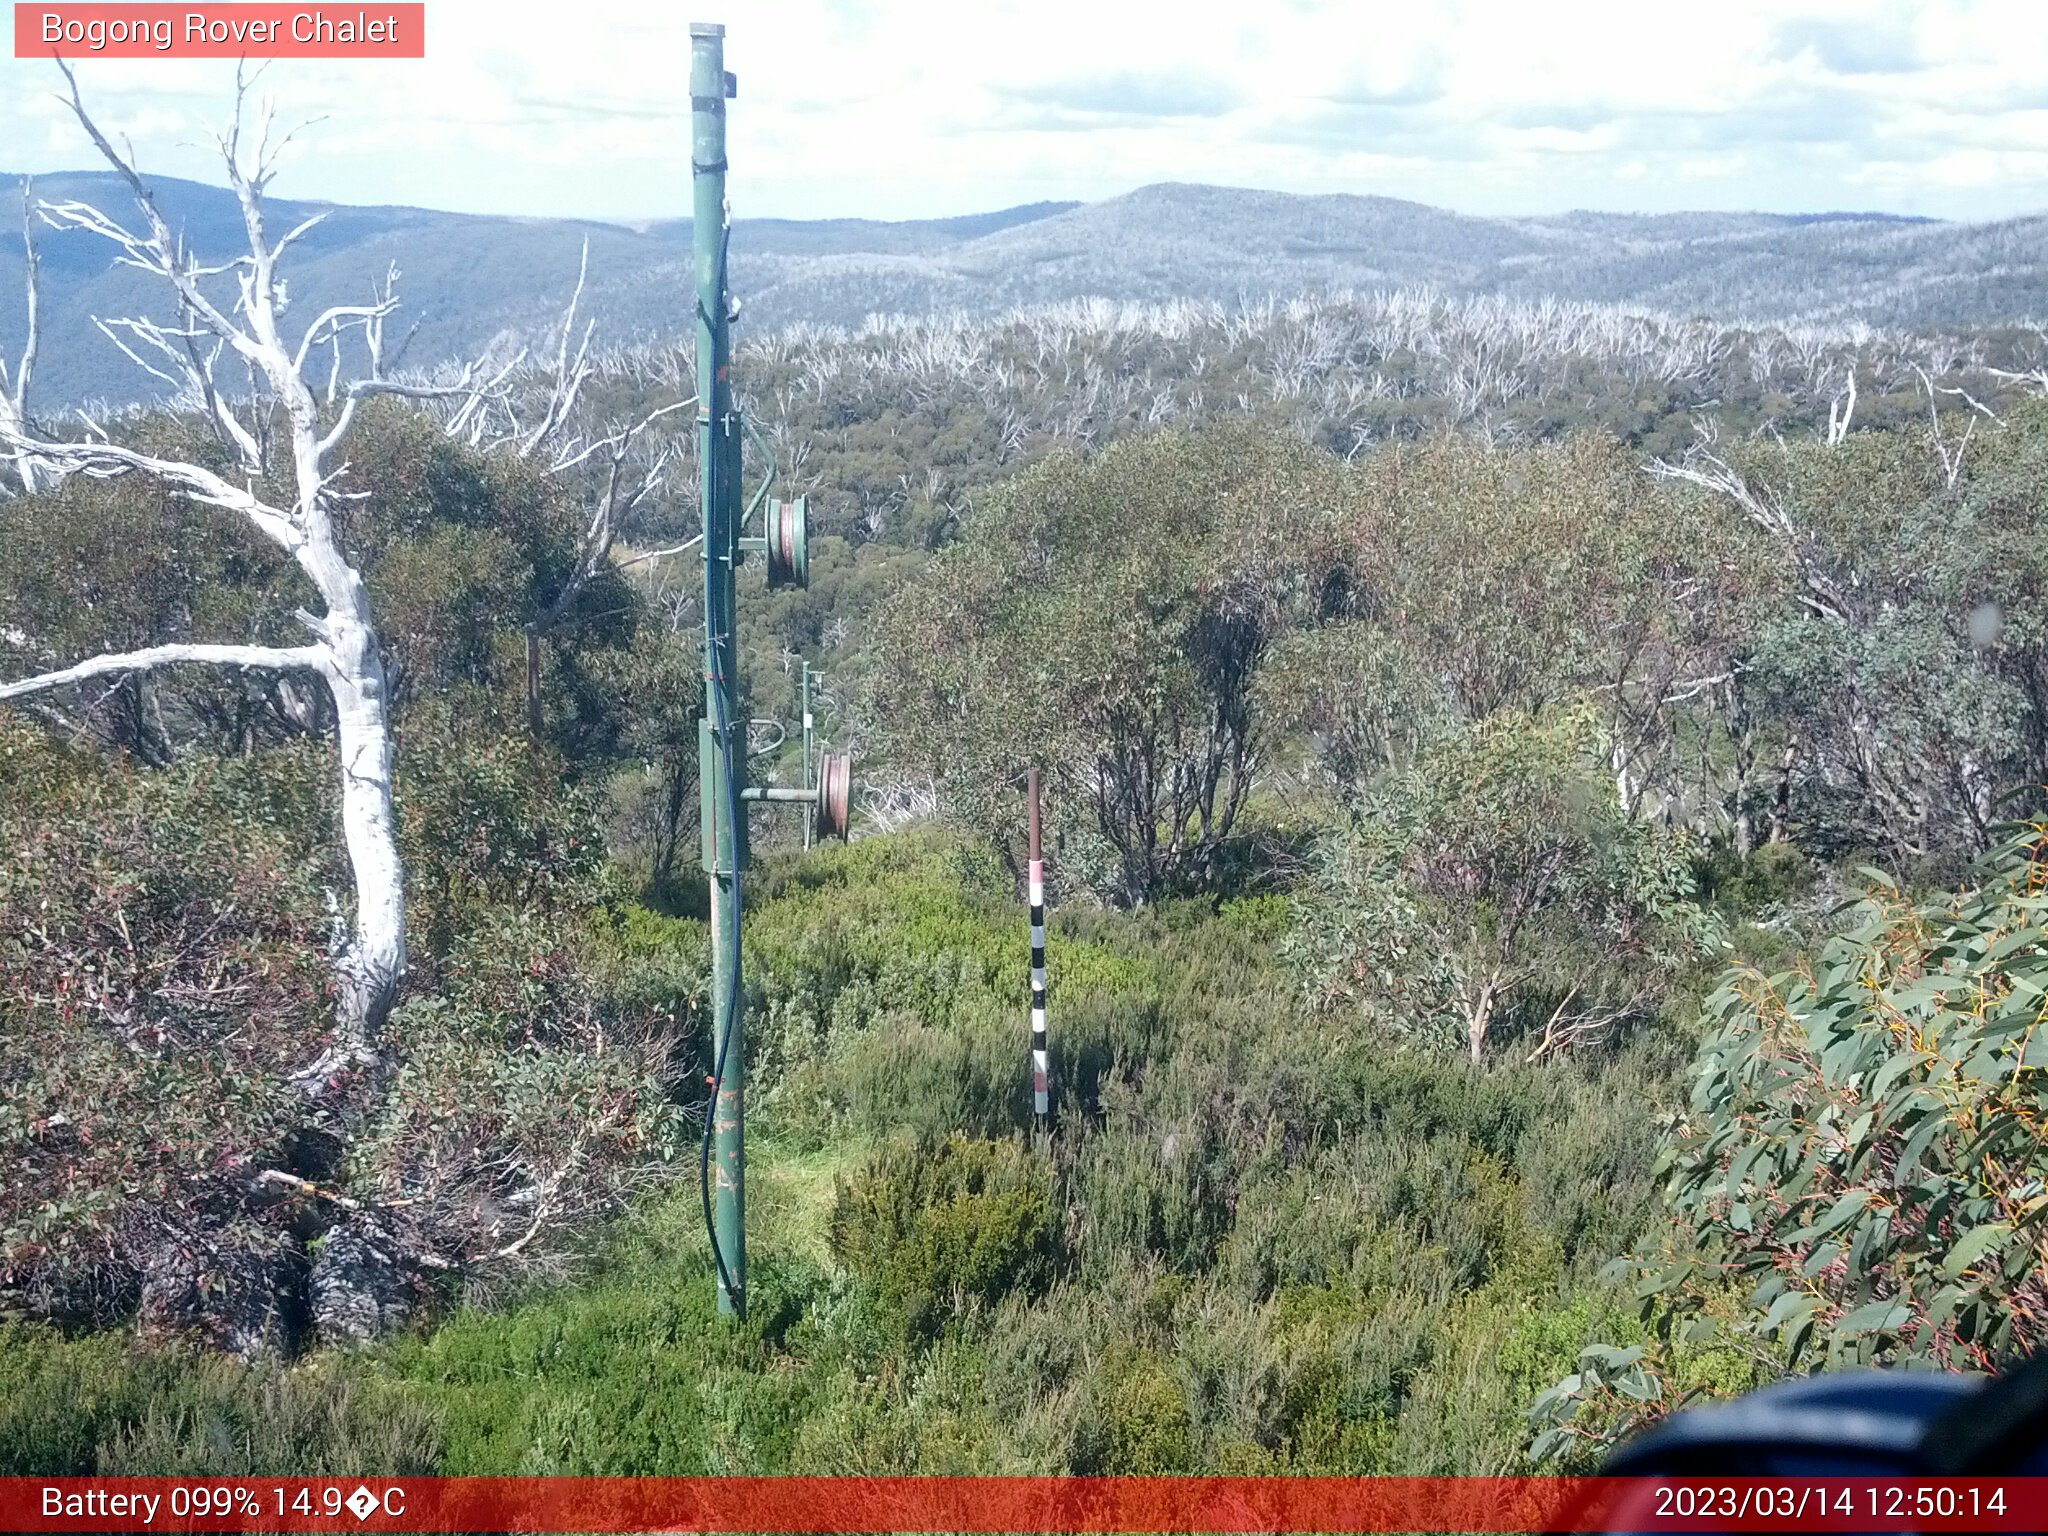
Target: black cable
(732, 813)
(731, 1007)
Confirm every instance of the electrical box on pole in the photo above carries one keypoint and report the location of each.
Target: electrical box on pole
(722, 733)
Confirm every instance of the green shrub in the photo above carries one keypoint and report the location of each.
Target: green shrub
(1142, 1417)
(99, 1405)
(486, 822)
(1496, 882)
(932, 1228)
(160, 979)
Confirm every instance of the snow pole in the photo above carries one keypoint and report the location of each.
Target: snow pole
(1041, 1066)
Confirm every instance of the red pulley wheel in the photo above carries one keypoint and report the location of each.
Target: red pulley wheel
(789, 543)
(835, 794)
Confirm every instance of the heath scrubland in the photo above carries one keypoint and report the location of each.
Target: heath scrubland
(1544, 822)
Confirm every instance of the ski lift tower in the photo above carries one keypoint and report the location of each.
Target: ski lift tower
(784, 542)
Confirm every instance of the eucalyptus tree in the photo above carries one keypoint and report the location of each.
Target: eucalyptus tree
(1106, 618)
(1854, 1178)
(1490, 881)
(1478, 581)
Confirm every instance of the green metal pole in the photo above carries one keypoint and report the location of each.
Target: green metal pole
(810, 815)
(721, 742)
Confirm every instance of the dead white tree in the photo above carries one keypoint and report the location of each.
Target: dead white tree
(628, 462)
(1565, 1030)
(898, 802)
(1768, 508)
(14, 390)
(343, 651)
(1951, 454)
(1842, 409)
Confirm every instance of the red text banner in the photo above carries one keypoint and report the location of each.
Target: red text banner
(250, 29)
(1016, 1505)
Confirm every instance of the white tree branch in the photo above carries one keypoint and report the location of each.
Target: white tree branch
(617, 441)
(334, 315)
(470, 388)
(269, 658)
(161, 252)
(303, 227)
(1951, 456)
(1842, 409)
(569, 377)
(103, 460)
(662, 554)
(1765, 507)
(154, 335)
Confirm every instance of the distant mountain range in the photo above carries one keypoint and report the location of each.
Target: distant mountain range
(467, 279)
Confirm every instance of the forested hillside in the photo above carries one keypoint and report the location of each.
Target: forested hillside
(1546, 836)
(480, 280)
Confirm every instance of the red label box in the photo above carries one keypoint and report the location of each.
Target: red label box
(221, 31)
(1081, 1506)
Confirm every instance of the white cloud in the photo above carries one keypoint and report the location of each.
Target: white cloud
(901, 108)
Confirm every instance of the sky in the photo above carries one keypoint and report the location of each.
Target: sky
(908, 109)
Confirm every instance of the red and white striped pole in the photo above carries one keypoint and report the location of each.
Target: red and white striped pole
(1041, 1068)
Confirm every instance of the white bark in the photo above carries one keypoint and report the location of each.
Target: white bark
(14, 390)
(375, 960)
(265, 657)
(1950, 454)
(1766, 507)
(1842, 409)
(626, 487)
(371, 957)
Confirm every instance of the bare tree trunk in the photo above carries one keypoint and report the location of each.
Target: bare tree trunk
(1781, 805)
(626, 485)
(1745, 817)
(1478, 1019)
(533, 716)
(376, 957)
